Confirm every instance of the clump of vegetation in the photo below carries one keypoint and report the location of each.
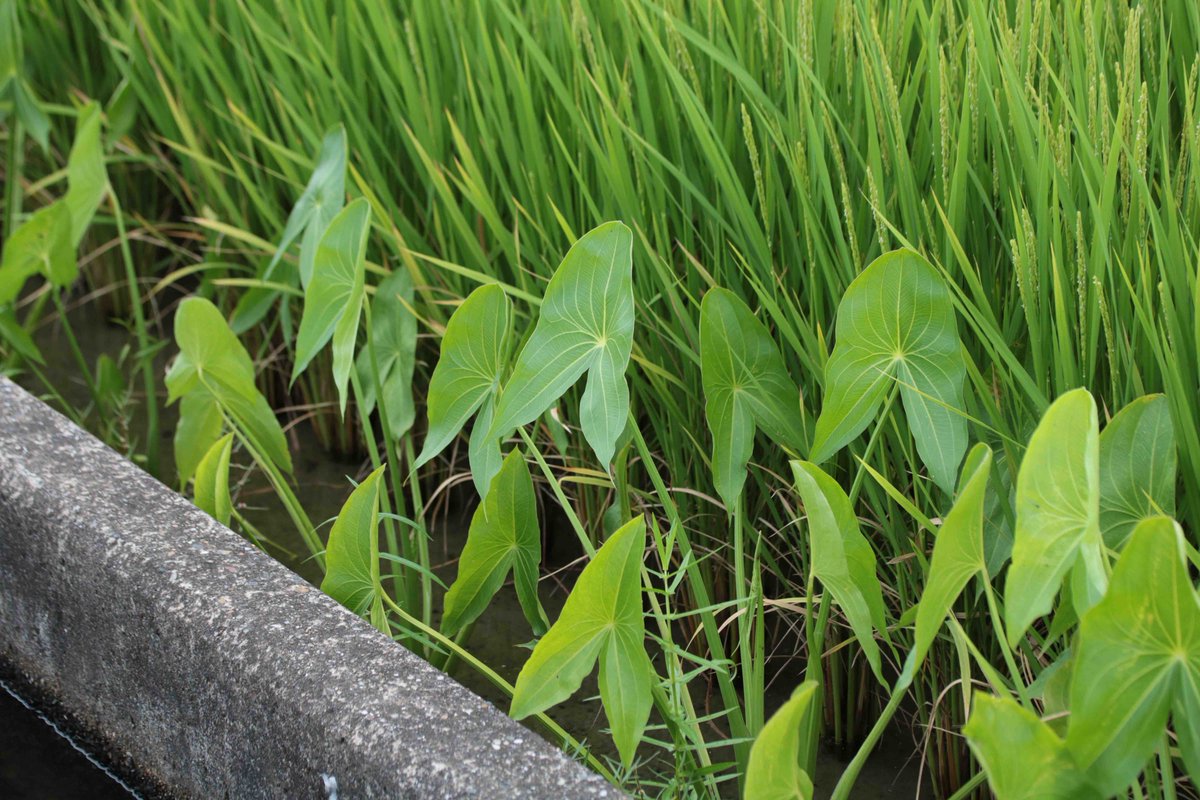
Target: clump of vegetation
(883, 387)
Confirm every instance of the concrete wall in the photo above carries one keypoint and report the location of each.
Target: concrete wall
(214, 669)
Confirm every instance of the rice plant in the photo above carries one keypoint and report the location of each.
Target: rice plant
(887, 371)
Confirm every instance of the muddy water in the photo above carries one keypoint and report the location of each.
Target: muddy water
(501, 635)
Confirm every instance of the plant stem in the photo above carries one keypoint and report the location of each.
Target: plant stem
(559, 494)
(712, 632)
(850, 775)
(145, 358)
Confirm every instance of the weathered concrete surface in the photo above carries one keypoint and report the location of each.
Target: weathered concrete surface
(214, 668)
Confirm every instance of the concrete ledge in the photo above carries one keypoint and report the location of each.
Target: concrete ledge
(214, 669)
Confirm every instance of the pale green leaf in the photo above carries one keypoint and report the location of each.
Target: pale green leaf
(896, 323)
(1058, 512)
(745, 385)
(352, 555)
(42, 245)
(1023, 758)
(1137, 467)
(334, 296)
(322, 199)
(773, 771)
(18, 339)
(87, 180)
(211, 490)
(393, 345)
(504, 535)
(199, 427)
(213, 363)
(1137, 658)
(467, 378)
(586, 325)
(957, 551)
(842, 559)
(602, 618)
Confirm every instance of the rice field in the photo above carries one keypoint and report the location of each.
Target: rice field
(850, 349)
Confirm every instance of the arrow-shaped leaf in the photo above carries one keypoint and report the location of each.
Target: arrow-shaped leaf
(352, 556)
(957, 551)
(1138, 658)
(896, 323)
(842, 558)
(322, 199)
(41, 245)
(504, 535)
(1058, 513)
(393, 345)
(1137, 467)
(87, 180)
(1023, 758)
(334, 296)
(467, 378)
(745, 384)
(586, 325)
(602, 619)
(211, 490)
(214, 375)
(773, 771)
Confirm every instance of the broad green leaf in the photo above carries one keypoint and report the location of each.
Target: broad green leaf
(1137, 467)
(211, 490)
(745, 385)
(199, 427)
(1137, 659)
(842, 558)
(215, 376)
(957, 551)
(315, 209)
(504, 535)
(41, 245)
(352, 555)
(773, 771)
(467, 378)
(1058, 513)
(87, 180)
(334, 296)
(394, 343)
(18, 339)
(602, 619)
(896, 323)
(1023, 758)
(586, 325)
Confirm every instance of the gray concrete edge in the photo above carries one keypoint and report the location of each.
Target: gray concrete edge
(213, 668)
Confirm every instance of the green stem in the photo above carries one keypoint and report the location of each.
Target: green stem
(559, 494)
(286, 496)
(965, 790)
(73, 343)
(846, 782)
(145, 358)
(712, 632)
(398, 575)
(1006, 651)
